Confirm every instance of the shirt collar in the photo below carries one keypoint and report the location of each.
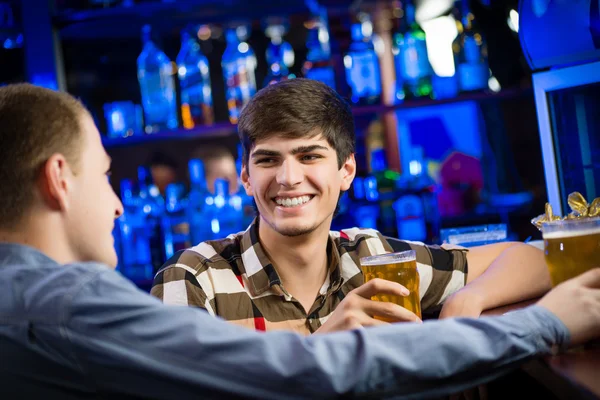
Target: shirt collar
(19, 254)
(261, 274)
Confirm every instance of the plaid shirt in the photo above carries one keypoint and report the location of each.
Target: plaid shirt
(233, 278)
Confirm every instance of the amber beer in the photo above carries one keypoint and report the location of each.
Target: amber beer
(571, 247)
(398, 267)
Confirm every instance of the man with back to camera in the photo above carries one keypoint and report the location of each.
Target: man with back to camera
(289, 271)
(72, 327)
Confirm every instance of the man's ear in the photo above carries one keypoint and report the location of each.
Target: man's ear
(55, 183)
(348, 171)
(245, 177)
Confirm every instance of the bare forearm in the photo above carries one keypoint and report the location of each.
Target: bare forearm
(518, 273)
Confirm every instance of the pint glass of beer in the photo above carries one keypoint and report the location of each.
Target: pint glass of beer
(571, 247)
(398, 267)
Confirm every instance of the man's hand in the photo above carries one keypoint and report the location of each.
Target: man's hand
(464, 303)
(358, 310)
(576, 303)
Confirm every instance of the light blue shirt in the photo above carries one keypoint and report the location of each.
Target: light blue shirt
(83, 330)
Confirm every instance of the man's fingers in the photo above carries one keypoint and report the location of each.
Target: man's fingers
(367, 320)
(390, 311)
(589, 278)
(381, 286)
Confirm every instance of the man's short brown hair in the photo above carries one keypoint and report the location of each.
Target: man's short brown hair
(298, 108)
(35, 123)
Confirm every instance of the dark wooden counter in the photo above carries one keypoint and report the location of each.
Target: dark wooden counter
(574, 374)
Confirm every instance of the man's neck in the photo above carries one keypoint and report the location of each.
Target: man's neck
(301, 261)
(37, 231)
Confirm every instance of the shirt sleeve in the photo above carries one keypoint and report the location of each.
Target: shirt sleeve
(129, 342)
(177, 283)
(442, 270)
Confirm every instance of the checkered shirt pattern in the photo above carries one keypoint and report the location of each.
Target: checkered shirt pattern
(234, 279)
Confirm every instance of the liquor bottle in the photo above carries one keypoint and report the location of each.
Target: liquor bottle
(243, 33)
(152, 205)
(194, 81)
(414, 67)
(175, 223)
(136, 259)
(225, 216)
(155, 76)
(319, 65)
(197, 209)
(279, 55)
(398, 31)
(246, 202)
(470, 53)
(362, 66)
(239, 73)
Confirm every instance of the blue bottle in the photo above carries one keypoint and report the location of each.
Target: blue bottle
(175, 223)
(239, 64)
(362, 67)
(470, 53)
(155, 75)
(194, 82)
(225, 217)
(279, 55)
(153, 206)
(246, 202)
(136, 260)
(319, 64)
(198, 209)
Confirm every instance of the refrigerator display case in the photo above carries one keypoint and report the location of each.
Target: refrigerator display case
(561, 40)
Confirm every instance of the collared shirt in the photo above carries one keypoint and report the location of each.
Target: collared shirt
(83, 331)
(234, 279)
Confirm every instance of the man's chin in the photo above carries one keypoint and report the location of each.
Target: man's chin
(294, 231)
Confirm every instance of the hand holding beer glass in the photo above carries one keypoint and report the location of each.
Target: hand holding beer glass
(397, 267)
(572, 247)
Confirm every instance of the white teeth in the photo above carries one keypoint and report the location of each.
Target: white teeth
(292, 202)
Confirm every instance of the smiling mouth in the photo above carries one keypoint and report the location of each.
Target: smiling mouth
(291, 202)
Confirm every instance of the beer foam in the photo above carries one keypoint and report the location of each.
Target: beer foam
(384, 259)
(568, 233)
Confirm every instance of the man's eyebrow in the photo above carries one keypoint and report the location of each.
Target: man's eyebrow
(265, 152)
(308, 149)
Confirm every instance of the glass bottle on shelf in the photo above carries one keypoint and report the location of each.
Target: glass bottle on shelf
(226, 217)
(318, 64)
(243, 32)
(397, 38)
(470, 53)
(155, 75)
(198, 207)
(239, 64)
(362, 66)
(152, 206)
(136, 258)
(246, 201)
(194, 82)
(279, 55)
(414, 67)
(175, 223)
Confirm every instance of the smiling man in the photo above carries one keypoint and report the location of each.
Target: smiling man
(289, 271)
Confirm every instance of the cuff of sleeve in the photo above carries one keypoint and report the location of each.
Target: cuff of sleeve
(553, 334)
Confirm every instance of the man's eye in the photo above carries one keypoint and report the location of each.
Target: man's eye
(310, 157)
(265, 161)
